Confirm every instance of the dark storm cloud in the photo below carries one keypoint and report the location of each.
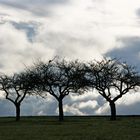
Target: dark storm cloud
(130, 52)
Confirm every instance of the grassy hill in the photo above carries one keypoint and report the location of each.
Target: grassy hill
(73, 128)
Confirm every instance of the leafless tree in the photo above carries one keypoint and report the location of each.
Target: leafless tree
(112, 79)
(58, 78)
(16, 87)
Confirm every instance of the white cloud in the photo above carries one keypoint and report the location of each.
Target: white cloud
(88, 104)
(73, 29)
(71, 110)
(16, 49)
(103, 110)
(86, 96)
(129, 99)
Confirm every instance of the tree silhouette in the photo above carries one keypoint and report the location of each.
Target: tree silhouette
(16, 87)
(112, 79)
(58, 78)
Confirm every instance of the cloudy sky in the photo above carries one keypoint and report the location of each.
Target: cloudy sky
(83, 29)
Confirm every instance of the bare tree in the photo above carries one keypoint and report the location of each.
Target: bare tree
(58, 78)
(113, 79)
(16, 87)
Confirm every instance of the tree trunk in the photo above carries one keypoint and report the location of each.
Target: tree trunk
(113, 111)
(61, 115)
(17, 112)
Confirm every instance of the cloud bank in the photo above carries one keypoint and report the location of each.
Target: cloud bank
(71, 29)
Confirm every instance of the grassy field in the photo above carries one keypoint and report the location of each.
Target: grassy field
(73, 128)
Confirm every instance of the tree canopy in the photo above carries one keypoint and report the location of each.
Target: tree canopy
(112, 79)
(16, 87)
(59, 79)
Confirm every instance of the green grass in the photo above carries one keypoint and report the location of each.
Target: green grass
(73, 128)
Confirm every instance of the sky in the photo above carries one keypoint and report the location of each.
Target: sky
(71, 29)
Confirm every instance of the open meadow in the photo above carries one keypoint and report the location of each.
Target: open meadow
(73, 128)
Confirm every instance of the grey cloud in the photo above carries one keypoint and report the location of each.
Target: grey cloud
(34, 106)
(16, 47)
(31, 106)
(37, 7)
(23, 4)
(29, 27)
(70, 46)
(138, 12)
(133, 109)
(130, 52)
(3, 14)
(6, 108)
(138, 15)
